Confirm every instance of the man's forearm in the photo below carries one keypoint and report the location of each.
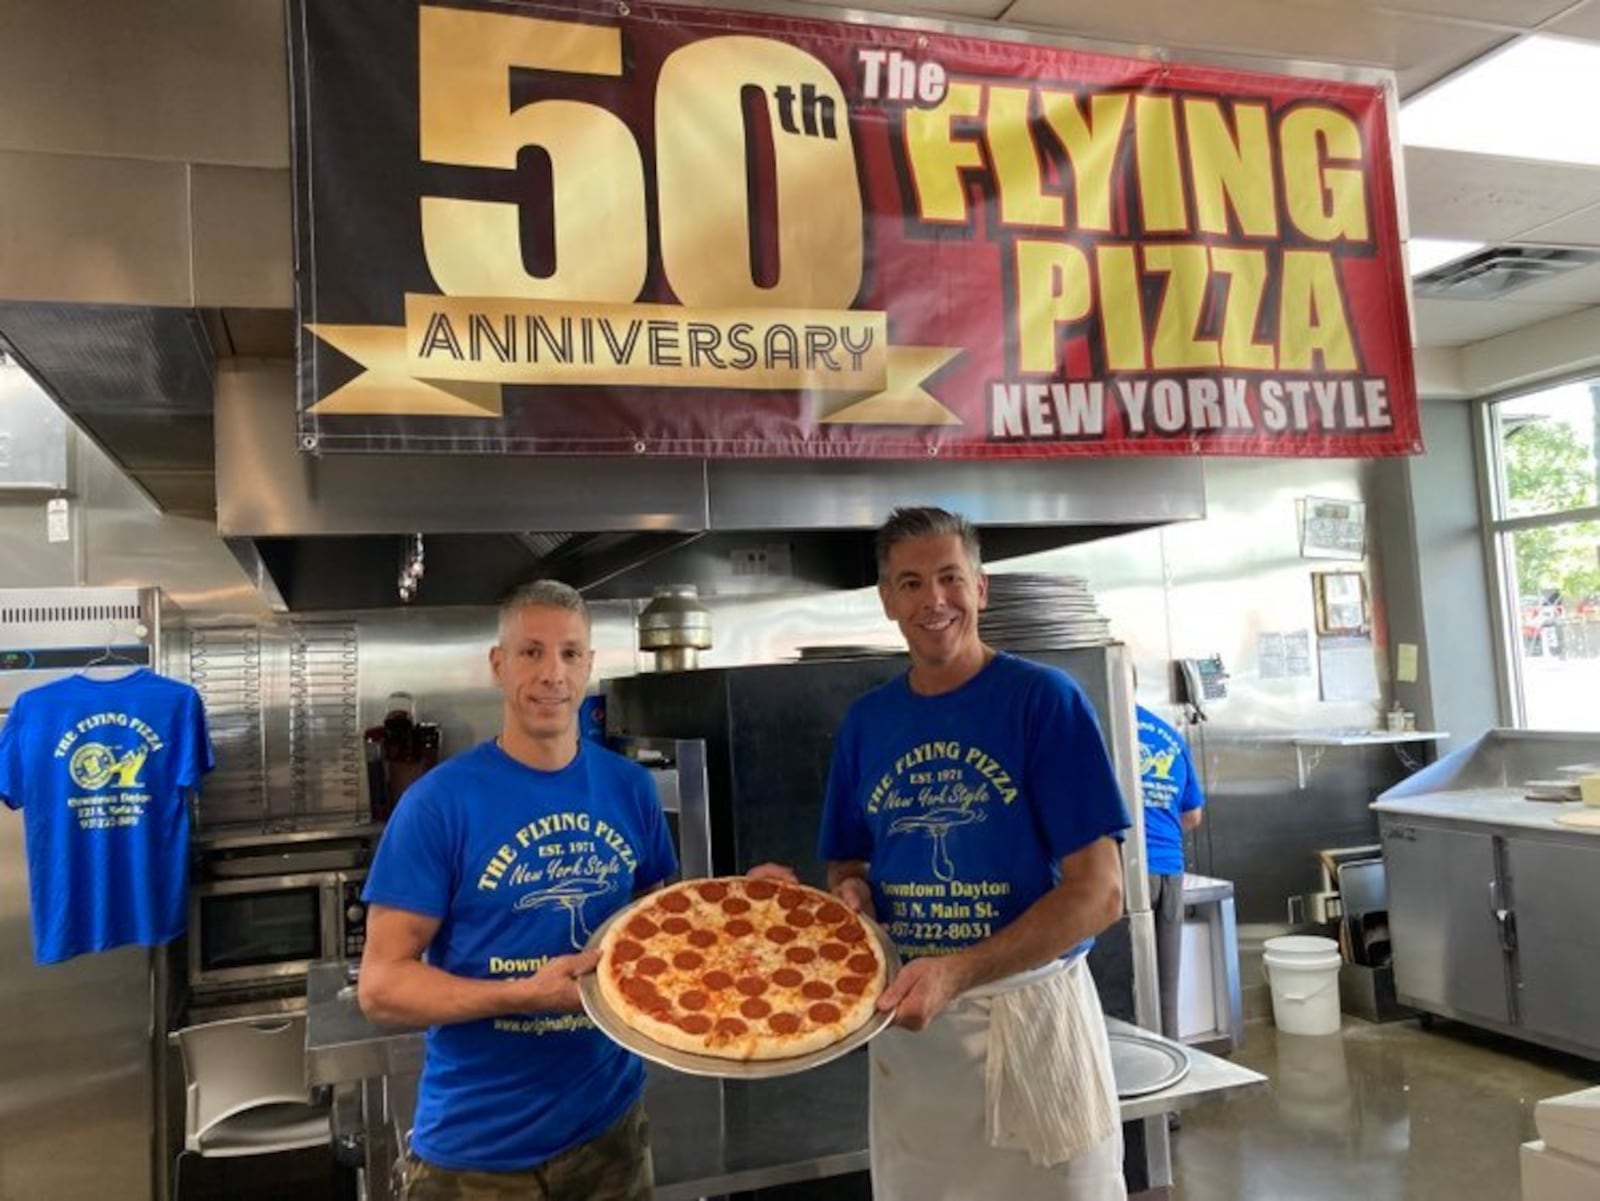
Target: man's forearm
(412, 993)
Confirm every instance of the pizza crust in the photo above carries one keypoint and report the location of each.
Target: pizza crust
(756, 964)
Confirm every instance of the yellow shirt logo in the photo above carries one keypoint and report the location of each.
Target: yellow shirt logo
(94, 765)
(1158, 763)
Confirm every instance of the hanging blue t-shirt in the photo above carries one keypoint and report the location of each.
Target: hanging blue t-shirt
(520, 865)
(101, 770)
(965, 803)
(1170, 789)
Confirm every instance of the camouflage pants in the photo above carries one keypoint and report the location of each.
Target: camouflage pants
(613, 1166)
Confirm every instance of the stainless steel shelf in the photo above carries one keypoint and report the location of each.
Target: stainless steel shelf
(1310, 748)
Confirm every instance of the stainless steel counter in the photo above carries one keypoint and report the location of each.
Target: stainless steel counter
(1212, 900)
(1483, 888)
(1503, 807)
(1210, 1078)
(1197, 890)
(708, 1136)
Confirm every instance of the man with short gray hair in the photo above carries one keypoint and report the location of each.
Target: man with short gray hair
(497, 867)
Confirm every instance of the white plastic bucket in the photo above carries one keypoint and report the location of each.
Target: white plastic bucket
(1304, 974)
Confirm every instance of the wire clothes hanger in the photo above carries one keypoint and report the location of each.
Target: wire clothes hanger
(111, 656)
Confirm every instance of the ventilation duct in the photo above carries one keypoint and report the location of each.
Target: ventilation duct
(1499, 270)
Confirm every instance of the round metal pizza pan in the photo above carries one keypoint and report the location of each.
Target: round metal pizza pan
(1145, 1065)
(613, 1027)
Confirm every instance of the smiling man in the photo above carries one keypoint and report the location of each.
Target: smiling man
(973, 809)
(492, 874)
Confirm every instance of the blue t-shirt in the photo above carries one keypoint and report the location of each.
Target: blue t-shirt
(965, 803)
(101, 770)
(1170, 788)
(520, 865)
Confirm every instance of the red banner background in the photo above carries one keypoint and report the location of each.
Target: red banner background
(1236, 288)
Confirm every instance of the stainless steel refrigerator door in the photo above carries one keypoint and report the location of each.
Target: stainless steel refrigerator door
(75, 1064)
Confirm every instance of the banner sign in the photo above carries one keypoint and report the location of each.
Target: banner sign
(572, 228)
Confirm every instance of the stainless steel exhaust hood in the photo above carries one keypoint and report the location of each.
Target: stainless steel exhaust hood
(330, 531)
(152, 296)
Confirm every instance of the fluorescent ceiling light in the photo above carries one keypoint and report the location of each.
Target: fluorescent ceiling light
(1425, 254)
(1536, 99)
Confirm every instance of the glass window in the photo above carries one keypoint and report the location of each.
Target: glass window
(1557, 625)
(1547, 441)
(1547, 530)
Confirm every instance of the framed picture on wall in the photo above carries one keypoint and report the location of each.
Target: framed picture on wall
(1341, 598)
(1332, 529)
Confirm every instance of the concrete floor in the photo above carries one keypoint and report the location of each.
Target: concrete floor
(1379, 1113)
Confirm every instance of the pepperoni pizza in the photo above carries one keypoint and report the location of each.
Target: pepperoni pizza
(741, 969)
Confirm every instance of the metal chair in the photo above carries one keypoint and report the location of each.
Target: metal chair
(245, 1090)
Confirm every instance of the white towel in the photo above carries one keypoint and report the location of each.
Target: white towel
(1048, 1081)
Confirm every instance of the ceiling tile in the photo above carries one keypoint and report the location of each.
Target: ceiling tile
(1581, 228)
(1521, 14)
(1582, 22)
(1419, 49)
(926, 10)
(1459, 322)
(1483, 198)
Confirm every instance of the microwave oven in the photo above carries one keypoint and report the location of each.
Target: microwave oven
(262, 931)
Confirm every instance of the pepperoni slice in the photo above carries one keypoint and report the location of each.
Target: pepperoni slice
(851, 932)
(760, 890)
(824, 1012)
(695, 1023)
(784, 1023)
(688, 961)
(863, 963)
(640, 992)
(740, 928)
(651, 965)
(643, 927)
(755, 1008)
(832, 913)
(676, 925)
(717, 980)
(781, 934)
(693, 999)
(676, 902)
(702, 939)
(788, 977)
(751, 986)
(711, 890)
(731, 1028)
(799, 954)
(816, 990)
(834, 952)
(792, 898)
(626, 950)
(733, 906)
(801, 918)
(854, 985)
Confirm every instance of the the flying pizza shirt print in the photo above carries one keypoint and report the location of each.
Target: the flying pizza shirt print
(964, 803)
(101, 770)
(520, 865)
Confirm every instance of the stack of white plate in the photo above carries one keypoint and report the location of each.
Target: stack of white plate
(1042, 613)
(1551, 790)
(810, 654)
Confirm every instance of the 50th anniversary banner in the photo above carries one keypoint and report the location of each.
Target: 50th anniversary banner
(574, 228)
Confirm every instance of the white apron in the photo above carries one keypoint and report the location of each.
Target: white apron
(1007, 1094)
